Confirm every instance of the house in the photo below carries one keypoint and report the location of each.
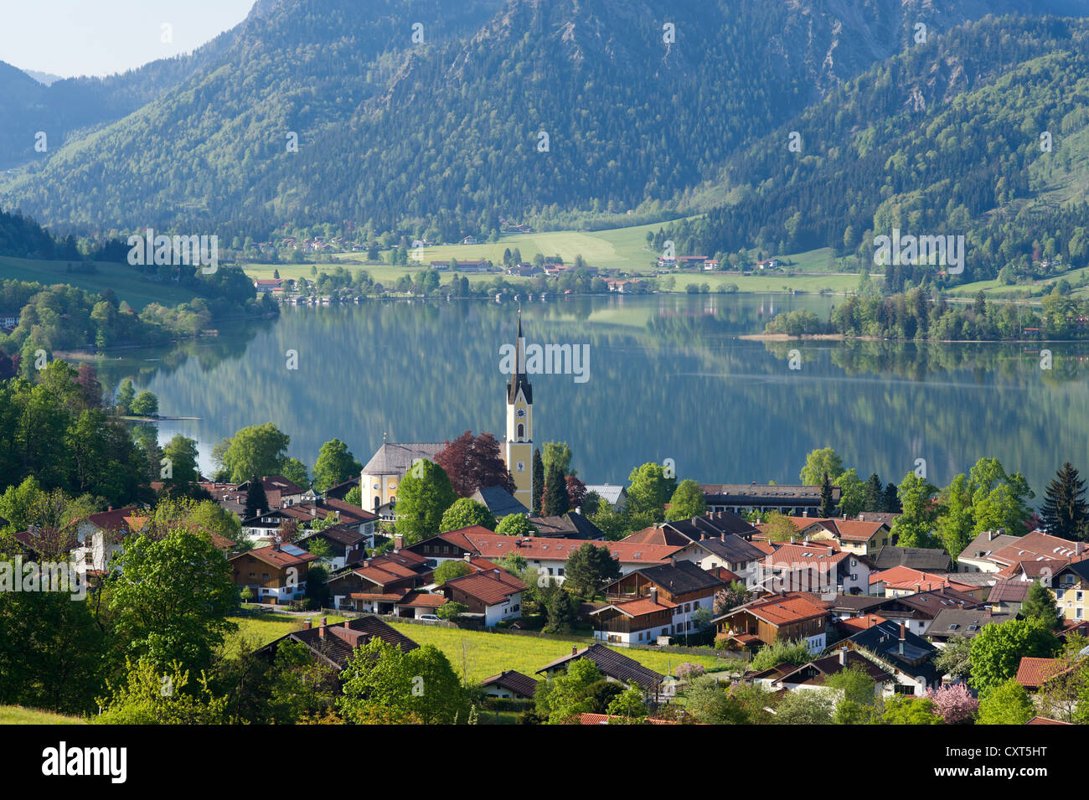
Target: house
(918, 611)
(614, 666)
(382, 474)
(777, 618)
(547, 555)
(275, 574)
(729, 551)
(744, 498)
(571, 525)
(279, 491)
(9, 321)
(975, 557)
(494, 596)
(378, 584)
(499, 501)
(656, 601)
(510, 685)
(1006, 596)
(415, 604)
(268, 285)
(952, 623)
(340, 491)
(907, 657)
(924, 559)
(901, 581)
(814, 567)
(1033, 673)
(1070, 585)
(860, 536)
(334, 644)
(615, 496)
(99, 537)
(814, 674)
(995, 552)
(346, 544)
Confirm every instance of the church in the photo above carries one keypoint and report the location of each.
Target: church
(388, 466)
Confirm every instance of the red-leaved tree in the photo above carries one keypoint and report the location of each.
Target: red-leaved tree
(473, 462)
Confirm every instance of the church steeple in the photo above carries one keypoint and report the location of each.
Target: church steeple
(519, 445)
(518, 379)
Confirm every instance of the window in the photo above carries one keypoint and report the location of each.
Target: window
(560, 570)
(521, 431)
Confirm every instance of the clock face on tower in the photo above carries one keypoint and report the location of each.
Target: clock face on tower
(521, 412)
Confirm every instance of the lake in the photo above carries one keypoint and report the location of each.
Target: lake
(669, 377)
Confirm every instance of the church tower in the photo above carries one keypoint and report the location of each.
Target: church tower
(519, 450)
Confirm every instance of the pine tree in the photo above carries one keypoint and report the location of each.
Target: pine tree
(828, 504)
(256, 500)
(555, 501)
(874, 490)
(538, 481)
(1040, 605)
(890, 504)
(1064, 511)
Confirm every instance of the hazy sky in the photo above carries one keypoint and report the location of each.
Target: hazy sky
(100, 37)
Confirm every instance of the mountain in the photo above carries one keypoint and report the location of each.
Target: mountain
(444, 137)
(983, 132)
(44, 78)
(67, 109)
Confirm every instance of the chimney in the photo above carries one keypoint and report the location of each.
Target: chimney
(843, 656)
(321, 632)
(398, 542)
(654, 594)
(309, 623)
(574, 650)
(348, 623)
(324, 621)
(903, 636)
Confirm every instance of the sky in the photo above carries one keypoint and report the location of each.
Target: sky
(101, 37)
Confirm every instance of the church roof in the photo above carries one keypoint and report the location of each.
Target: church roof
(394, 458)
(518, 379)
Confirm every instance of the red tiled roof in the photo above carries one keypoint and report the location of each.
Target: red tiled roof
(1032, 673)
(639, 607)
(118, 519)
(783, 610)
(902, 577)
(1046, 721)
(800, 555)
(276, 557)
(421, 600)
(1036, 545)
(491, 545)
(855, 624)
(587, 718)
(856, 530)
(489, 588)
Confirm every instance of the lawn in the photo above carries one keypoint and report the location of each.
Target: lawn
(480, 655)
(262, 627)
(121, 278)
(17, 715)
(476, 653)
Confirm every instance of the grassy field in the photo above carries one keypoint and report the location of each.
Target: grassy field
(479, 655)
(263, 627)
(121, 278)
(993, 288)
(17, 715)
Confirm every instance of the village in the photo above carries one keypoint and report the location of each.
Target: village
(762, 603)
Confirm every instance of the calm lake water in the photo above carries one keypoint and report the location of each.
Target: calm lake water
(669, 377)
